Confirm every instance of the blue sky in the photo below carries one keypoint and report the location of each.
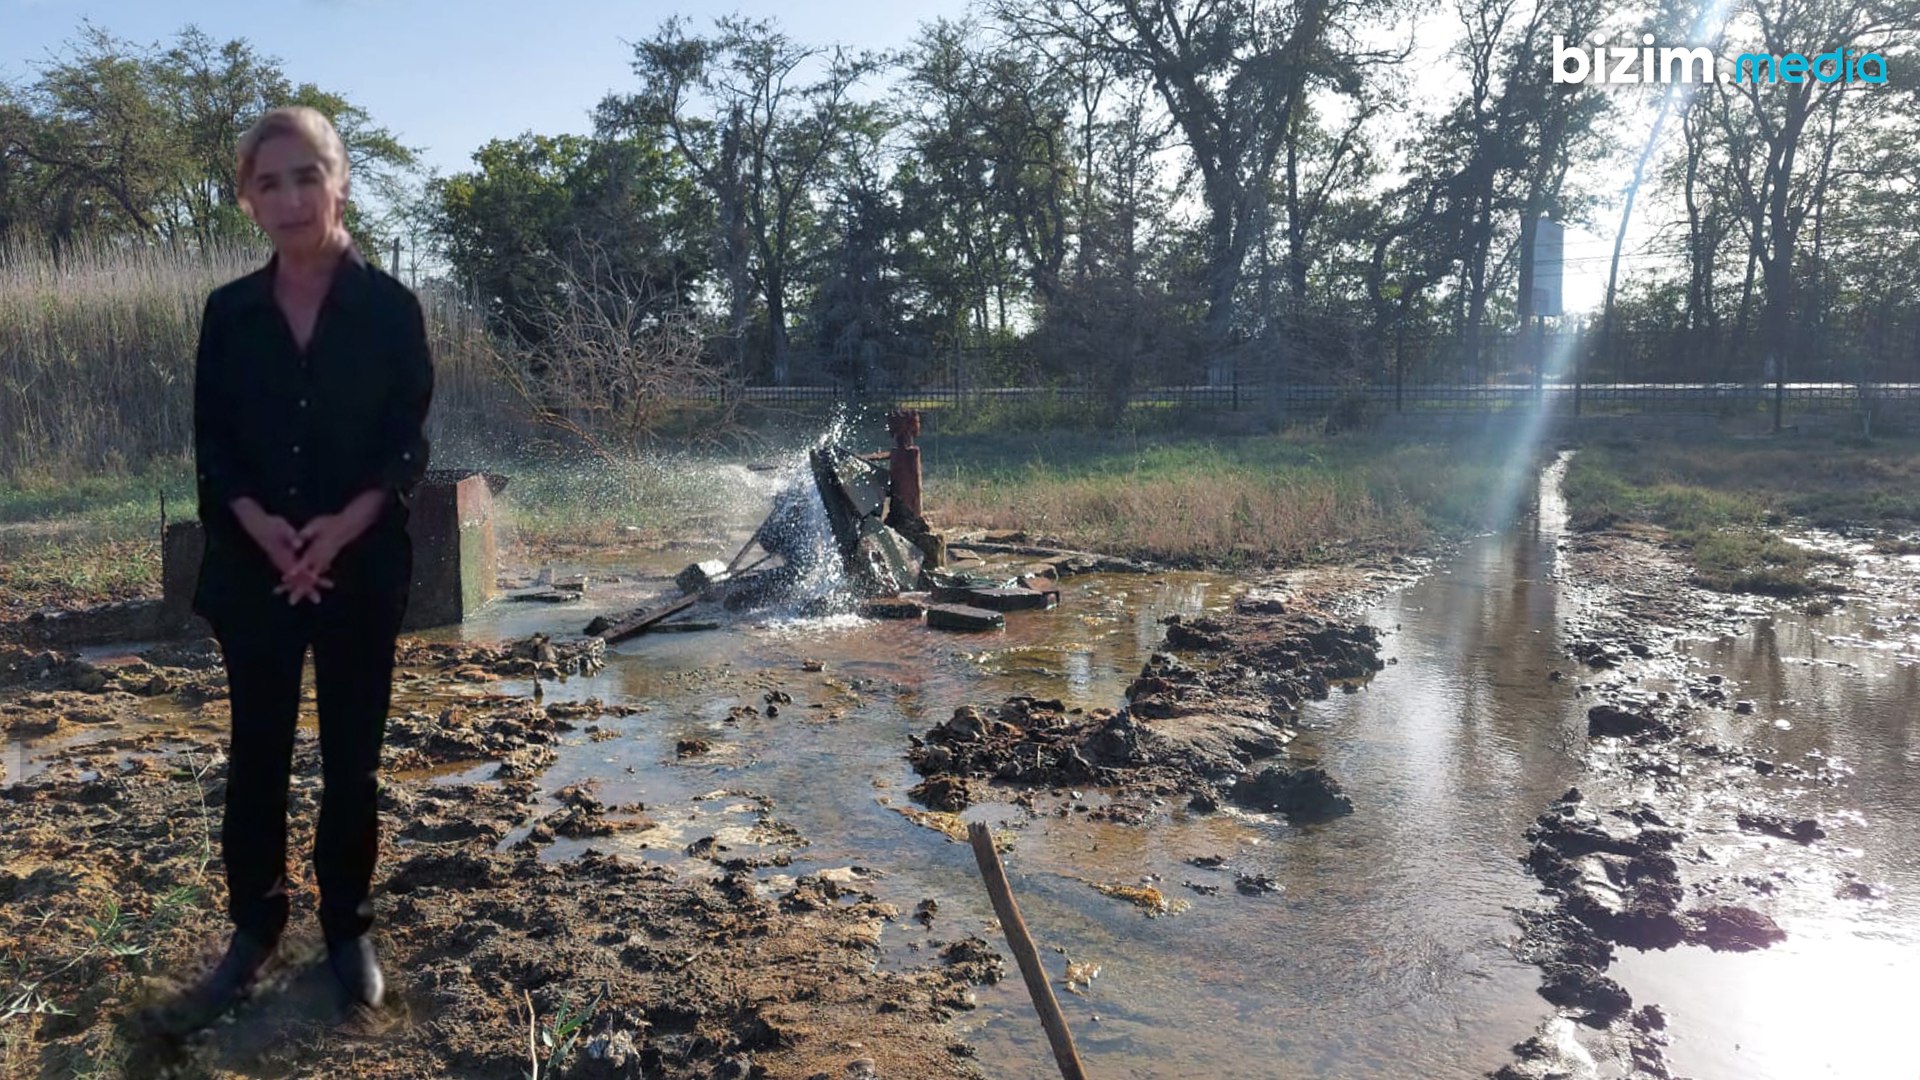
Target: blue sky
(448, 75)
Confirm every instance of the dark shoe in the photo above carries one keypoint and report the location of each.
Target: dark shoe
(224, 986)
(357, 971)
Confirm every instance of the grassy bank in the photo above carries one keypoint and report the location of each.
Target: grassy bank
(1184, 499)
(1223, 501)
(87, 539)
(1722, 501)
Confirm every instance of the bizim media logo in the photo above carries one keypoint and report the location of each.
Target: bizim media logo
(1600, 65)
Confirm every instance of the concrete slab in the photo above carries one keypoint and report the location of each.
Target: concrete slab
(453, 551)
(1012, 599)
(963, 617)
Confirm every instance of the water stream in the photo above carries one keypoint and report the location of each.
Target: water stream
(1386, 955)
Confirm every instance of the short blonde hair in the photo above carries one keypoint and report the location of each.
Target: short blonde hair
(303, 122)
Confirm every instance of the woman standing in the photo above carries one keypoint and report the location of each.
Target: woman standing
(311, 390)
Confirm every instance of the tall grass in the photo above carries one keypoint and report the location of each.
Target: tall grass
(96, 358)
(1221, 501)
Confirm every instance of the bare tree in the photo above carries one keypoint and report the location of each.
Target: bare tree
(612, 367)
(1232, 74)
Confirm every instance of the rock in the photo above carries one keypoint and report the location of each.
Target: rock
(1744, 708)
(615, 1049)
(1577, 986)
(948, 793)
(966, 724)
(1632, 901)
(1859, 890)
(1611, 721)
(1118, 742)
(1804, 831)
(1732, 929)
(1257, 884)
(1196, 634)
(1303, 795)
(1261, 602)
(86, 678)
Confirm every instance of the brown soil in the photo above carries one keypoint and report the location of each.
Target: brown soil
(111, 896)
(1218, 703)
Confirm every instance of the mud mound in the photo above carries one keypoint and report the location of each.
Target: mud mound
(1195, 723)
(538, 656)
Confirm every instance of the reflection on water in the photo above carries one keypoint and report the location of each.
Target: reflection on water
(1836, 999)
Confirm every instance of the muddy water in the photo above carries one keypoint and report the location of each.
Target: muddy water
(1835, 999)
(1384, 956)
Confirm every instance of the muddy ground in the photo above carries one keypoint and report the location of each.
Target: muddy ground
(111, 893)
(110, 889)
(1210, 718)
(1624, 859)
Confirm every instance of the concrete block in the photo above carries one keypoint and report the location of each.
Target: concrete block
(453, 557)
(453, 551)
(1012, 599)
(962, 617)
(181, 549)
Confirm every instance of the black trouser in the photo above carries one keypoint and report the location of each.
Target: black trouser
(353, 642)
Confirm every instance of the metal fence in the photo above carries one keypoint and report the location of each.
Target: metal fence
(1306, 398)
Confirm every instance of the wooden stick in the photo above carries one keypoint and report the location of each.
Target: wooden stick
(1021, 943)
(641, 622)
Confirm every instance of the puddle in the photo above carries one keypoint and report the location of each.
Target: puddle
(1834, 999)
(1383, 951)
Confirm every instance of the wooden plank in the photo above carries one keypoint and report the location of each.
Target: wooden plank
(1028, 957)
(639, 623)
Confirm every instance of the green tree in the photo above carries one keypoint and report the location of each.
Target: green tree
(759, 117)
(117, 139)
(1232, 74)
(540, 213)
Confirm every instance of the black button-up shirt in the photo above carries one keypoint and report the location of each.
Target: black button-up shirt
(305, 431)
